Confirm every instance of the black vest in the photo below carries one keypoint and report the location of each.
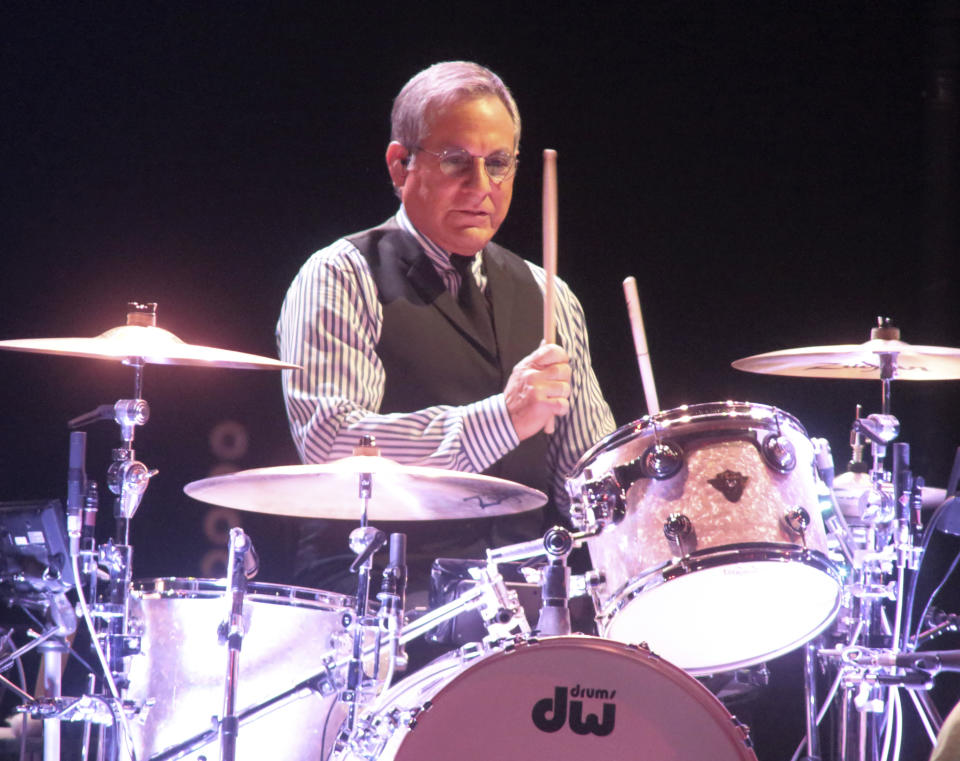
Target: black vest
(431, 356)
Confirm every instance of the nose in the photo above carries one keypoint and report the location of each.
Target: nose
(478, 177)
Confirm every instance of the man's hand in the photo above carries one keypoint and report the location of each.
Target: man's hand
(538, 390)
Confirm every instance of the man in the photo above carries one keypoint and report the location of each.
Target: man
(381, 324)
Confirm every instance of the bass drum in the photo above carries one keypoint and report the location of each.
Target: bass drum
(563, 698)
(290, 635)
(711, 548)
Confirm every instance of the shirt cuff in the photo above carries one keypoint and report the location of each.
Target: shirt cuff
(488, 432)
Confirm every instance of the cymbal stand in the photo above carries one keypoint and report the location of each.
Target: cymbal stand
(127, 478)
(364, 542)
(870, 654)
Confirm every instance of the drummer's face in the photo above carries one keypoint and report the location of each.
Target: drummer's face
(458, 213)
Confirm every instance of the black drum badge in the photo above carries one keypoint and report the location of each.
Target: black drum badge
(550, 714)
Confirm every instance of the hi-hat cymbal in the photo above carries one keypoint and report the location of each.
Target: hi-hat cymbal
(146, 343)
(859, 361)
(399, 492)
(851, 490)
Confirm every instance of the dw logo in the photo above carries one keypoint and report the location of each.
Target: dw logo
(550, 714)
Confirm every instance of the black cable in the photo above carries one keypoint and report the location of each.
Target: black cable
(323, 731)
(69, 647)
(936, 591)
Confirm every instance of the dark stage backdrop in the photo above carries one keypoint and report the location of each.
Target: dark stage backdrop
(773, 178)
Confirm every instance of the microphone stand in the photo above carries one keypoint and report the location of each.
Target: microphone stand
(231, 631)
(874, 656)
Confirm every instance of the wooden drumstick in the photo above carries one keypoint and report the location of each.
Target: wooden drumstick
(549, 251)
(640, 344)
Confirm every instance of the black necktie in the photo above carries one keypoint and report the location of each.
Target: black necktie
(472, 301)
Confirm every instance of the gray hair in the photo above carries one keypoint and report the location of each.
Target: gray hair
(442, 84)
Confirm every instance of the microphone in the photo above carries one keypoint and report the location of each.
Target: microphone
(251, 560)
(823, 458)
(931, 660)
(902, 478)
(76, 488)
(393, 585)
(833, 518)
(392, 596)
(241, 549)
(91, 504)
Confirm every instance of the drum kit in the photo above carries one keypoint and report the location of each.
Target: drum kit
(719, 539)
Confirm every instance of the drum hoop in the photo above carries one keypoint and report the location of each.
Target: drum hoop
(750, 414)
(189, 588)
(716, 557)
(697, 691)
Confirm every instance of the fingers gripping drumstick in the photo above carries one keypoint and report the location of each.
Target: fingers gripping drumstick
(549, 250)
(640, 344)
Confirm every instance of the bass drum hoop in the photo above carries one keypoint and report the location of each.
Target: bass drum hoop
(440, 681)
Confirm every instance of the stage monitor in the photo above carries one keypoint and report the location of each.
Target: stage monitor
(34, 554)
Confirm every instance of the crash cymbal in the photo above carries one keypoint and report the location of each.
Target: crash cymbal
(152, 345)
(859, 361)
(399, 492)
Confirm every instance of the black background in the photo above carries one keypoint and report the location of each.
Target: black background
(774, 178)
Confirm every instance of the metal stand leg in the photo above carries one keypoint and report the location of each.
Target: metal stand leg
(52, 681)
(810, 691)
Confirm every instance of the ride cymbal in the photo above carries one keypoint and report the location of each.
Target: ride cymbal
(876, 359)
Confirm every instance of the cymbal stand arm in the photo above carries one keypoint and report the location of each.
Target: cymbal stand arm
(534, 548)
(469, 600)
(499, 607)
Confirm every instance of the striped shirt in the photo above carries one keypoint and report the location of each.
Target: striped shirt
(330, 325)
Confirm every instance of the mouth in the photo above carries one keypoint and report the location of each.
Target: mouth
(474, 214)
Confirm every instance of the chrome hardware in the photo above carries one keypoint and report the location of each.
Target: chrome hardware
(662, 460)
(678, 529)
(779, 452)
(604, 500)
(797, 520)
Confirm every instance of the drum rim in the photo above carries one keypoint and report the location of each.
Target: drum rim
(703, 412)
(189, 587)
(738, 733)
(717, 557)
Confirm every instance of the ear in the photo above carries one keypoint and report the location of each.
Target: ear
(397, 159)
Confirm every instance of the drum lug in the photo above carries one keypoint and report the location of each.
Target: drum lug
(779, 452)
(680, 534)
(662, 460)
(797, 520)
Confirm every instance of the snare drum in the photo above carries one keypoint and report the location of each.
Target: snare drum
(289, 632)
(711, 546)
(563, 698)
